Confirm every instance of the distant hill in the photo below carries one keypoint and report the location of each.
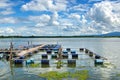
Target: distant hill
(112, 34)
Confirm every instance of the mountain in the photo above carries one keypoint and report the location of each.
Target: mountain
(112, 34)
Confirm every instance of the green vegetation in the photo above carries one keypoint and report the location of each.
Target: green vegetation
(54, 75)
(59, 64)
(34, 65)
(118, 75)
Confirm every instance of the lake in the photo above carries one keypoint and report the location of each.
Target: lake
(107, 47)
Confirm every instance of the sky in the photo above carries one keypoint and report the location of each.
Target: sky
(59, 17)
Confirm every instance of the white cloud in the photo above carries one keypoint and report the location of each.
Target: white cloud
(1, 31)
(45, 5)
(56, 23)
(83, 20)
(54, 19)
(75, 16)
(105, 14)
(9, 30)
(80, 7)
(43, 18)
(7, 11)
(6, 30)
(8, 20)
(5, 4)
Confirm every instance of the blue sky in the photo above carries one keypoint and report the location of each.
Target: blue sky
(59, 17)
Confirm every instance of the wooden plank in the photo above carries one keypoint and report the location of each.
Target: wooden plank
(25, 52)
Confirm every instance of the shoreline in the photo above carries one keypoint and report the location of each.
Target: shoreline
(59, 37)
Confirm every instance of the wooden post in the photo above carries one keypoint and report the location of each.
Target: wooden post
(11, 48)
(10, 59)
(60, 53)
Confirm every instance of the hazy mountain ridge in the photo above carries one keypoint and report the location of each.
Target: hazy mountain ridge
(111, 34)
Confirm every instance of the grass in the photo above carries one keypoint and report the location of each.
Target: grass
(54, 75)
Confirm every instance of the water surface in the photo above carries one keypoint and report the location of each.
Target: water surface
(107, 47)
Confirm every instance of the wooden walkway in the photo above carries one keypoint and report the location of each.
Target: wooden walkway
(25, 52)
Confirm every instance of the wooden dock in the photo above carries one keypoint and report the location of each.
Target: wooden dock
(31, 50)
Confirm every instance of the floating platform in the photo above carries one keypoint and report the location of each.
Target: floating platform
(52, 52)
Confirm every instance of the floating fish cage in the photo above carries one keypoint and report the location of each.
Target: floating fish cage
(52, 47)
(73, 52)
(22, 57)
(65, 56)
(65, 52)
(97, 57)
(74, 56)
(53, 56)
(68, 49)
(56, 52)
(91, 54)
(44, 56)
(71, 63)
(49, 51)
(98, 61)
(81, 49)
(44, 62)
(18, 61)
(57, 47)
(86, 51)
(68, 55)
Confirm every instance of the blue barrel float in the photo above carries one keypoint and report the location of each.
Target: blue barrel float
(74, 56)
(56, 48)
(81, 49)
(56, 52)
(73, 52)
(91, 54)
(44, 61)
(97, 56)
(49, 51)
(20, 60)
(99, 61)
(68, 49)
(65, 52)
(30, 61)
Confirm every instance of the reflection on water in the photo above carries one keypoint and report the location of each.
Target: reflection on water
(107, 47)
